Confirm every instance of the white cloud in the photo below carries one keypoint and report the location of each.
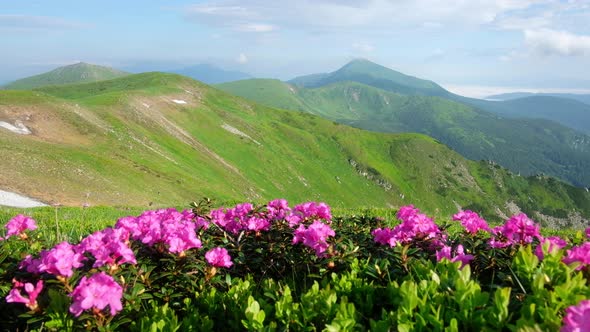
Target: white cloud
(256, 27)
(353, 14)
(242, 58)
(554, 42)
(363, 47)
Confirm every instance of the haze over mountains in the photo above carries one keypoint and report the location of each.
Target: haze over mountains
(210, 74)
(584, 98)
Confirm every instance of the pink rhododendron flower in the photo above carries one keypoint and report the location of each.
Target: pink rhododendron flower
(257, 224)
(98, 291)
(471, 221)
(519, 229)
(577, 318)
(19, 224)
(201, 223)
(233, 220)
(61, 260)
(588, 232)
(310, 211)
(30, 264)
(445, 253)
(384, 236)
(315, 236)
(552, 244)
(33, 292)
(218, 257)
(415, 225)
(277, 209)
(580, 254)
(167, 226)
(109, 247)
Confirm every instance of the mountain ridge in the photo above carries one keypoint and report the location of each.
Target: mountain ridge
(542, 147)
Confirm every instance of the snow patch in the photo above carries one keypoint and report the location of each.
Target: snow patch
(8, 198)
(235, 131)
(179, 101)
(145, 105)
(18, 127)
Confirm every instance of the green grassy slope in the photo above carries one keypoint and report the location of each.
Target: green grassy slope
(130, 142)
(526, 146)
(76, 73)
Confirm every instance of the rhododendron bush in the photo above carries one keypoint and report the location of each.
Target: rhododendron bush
(282, 267)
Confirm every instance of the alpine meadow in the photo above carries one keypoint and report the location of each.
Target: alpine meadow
(207, 165)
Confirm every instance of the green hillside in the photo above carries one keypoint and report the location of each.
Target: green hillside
(166, 139)
(526, 146)
(77, 73)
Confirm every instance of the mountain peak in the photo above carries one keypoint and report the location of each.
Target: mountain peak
(364, 71)
(80, 72)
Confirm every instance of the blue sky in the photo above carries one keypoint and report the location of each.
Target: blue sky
(474, 47)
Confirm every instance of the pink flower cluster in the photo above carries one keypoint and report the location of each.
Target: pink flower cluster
(577, 318)
(59, 261)
(108, 247)
(309, 212)
(218, 257)
(241, 217)
(98, 291)
(549, 245)
(579, 254)
(18, 225)
(33, 291)
(315, 236)
(415, 225)
(471, 221)
(460, 256)
(176, 230)
(519, 229)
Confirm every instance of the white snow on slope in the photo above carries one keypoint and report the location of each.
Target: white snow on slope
(179, 101)
(8, 198)
(18, 127)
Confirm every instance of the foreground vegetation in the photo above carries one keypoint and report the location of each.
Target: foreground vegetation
(280, 267)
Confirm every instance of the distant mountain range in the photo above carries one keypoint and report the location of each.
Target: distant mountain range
(210, 74)
(373, 97)
(167, 139)
(584, 98)
(77, 73)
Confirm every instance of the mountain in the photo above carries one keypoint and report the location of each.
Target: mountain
(210, 74)
(367, 72)
(77, 73)
(584, 98)
(568, 112)
(167, 139)
(526, 146)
